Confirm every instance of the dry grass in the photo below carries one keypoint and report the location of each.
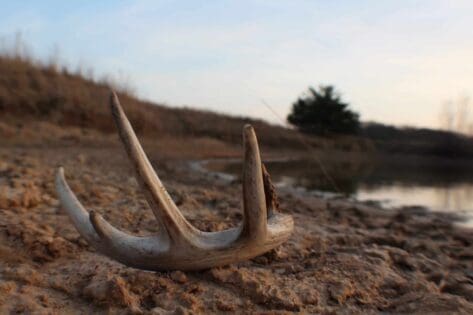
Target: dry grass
(33, 92)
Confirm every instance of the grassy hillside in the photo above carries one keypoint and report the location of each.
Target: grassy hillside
(418, 141)
(32, 92)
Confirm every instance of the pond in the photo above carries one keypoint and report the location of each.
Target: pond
(392, 181)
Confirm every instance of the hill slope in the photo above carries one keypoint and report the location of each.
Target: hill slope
(30, 92)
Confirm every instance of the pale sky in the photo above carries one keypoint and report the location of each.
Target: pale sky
(394, 61)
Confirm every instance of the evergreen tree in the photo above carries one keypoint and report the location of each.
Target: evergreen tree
(322, 112)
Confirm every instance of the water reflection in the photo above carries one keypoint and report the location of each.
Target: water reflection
(455, 198)
(442, 185)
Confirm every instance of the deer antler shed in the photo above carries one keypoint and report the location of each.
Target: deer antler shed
(178, 244)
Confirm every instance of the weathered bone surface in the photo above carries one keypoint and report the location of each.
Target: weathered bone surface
(179, 245)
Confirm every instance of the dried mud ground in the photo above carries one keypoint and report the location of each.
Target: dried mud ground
(343, 258)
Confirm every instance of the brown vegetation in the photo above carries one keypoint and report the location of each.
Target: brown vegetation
(31, 92)
(419, 141)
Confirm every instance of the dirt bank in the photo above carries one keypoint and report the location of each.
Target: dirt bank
(342, 257)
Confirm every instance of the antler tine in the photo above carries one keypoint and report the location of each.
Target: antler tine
(254, 200)
(164, 208)
(75, 210)
(128, 249)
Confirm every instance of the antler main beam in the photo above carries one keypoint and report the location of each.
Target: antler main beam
(178, 244)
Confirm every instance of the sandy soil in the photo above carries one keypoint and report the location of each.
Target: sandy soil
(343, 258)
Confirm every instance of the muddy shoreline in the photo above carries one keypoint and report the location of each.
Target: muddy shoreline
(343, 257)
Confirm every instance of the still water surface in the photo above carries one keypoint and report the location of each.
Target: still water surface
(439, 185)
